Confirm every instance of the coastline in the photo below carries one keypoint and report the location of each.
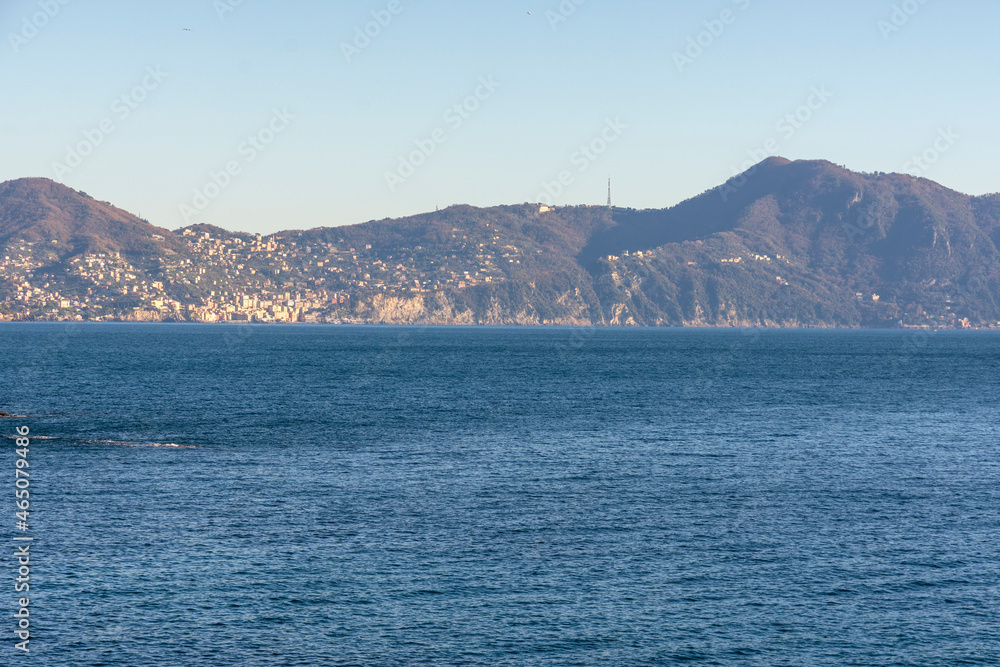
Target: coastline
(770, 326)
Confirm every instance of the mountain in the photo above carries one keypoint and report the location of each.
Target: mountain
(810, 237)
(531, 258)
(805, 243)
(38, 209)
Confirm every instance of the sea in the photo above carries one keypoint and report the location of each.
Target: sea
(341, 495)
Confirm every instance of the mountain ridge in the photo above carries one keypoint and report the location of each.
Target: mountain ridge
(787, 243)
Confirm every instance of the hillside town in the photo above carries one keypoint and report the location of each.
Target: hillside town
(237, 278)
(65, 256)
(240, 278)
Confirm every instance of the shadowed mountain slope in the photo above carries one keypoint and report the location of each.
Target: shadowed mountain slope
(38, 209)
(805, 243)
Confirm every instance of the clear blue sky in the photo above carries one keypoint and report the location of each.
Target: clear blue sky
(686, 127)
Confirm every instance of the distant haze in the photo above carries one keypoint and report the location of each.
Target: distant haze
(271, 115)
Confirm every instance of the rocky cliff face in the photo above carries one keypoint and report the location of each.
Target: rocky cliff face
(442, 310)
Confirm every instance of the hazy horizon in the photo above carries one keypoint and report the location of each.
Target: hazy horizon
(620, 205)
(282, 110)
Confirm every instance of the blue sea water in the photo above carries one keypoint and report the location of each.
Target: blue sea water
(209, 495)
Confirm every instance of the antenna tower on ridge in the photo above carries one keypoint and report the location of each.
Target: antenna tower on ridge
(609, 193)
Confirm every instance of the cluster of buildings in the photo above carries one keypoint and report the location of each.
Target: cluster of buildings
(215, 276)
(226, 277)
